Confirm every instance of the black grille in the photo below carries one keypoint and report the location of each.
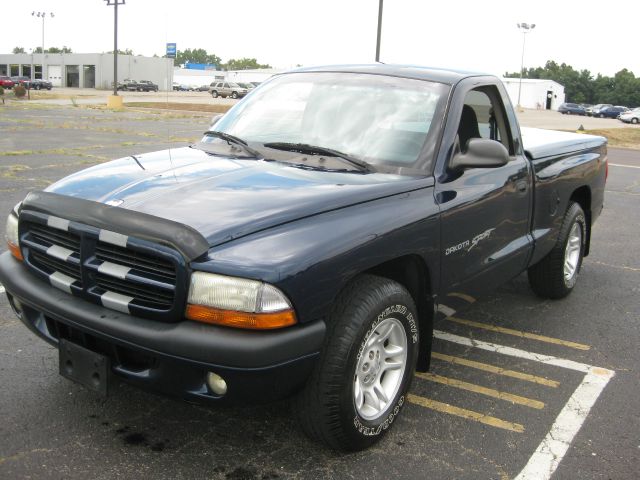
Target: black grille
(153, 279)
(49, 236)
(150, 296)
(50, 265)
(142, 262)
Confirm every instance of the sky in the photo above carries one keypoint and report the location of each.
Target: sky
(479, 35)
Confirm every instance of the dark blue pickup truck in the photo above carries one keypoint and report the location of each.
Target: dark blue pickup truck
(304, 247)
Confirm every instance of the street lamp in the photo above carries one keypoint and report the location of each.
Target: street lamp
(115, 102)
(42, 15)
(524, 28)
(379, 30)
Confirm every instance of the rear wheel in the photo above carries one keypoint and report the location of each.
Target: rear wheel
(634, 120)
(366, 366)
(556, 274)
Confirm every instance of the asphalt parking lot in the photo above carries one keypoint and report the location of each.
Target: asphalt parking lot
(519, 388)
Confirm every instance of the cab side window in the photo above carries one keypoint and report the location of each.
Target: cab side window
(483, 117)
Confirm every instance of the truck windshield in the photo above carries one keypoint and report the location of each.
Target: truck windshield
(380, 119)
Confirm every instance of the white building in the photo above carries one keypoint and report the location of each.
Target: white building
(87, 70)
(536, 93)
(197, 78)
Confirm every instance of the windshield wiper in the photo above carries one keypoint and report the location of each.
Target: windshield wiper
(316, 150)
(233, 139)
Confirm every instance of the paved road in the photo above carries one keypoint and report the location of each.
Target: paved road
(483, 413)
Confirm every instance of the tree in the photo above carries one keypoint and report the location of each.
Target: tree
(53, 50)
(197, 55)
(126, 51)
(244, 64)
(18, 50)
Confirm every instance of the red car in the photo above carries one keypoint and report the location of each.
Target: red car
(6, 82)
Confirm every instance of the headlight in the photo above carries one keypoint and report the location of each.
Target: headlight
(11, 234)
(237, 302)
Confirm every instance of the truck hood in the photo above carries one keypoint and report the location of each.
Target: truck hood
(226, 198)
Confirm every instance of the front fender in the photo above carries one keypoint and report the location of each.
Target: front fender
(312, 259)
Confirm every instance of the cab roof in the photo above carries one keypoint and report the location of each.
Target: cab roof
(440, 75)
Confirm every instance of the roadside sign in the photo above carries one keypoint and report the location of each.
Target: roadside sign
(171, 50)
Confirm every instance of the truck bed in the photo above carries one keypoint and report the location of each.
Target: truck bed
(540, 143)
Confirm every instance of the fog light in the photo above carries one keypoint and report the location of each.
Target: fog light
(216, 383)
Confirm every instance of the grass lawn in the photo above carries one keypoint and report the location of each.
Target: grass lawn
(620, 137)
(189, 107)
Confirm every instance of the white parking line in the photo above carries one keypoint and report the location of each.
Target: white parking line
(556, 443)
(620, 165)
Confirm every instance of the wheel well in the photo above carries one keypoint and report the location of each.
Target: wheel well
(582, 196)
(412, 273)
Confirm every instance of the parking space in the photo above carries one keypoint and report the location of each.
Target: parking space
(519, 387)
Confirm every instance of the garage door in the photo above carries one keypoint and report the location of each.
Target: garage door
(55, 75)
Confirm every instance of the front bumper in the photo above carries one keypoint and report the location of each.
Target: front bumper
(172, 358)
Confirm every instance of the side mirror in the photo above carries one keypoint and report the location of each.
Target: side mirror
(215, 119)
(481, 153)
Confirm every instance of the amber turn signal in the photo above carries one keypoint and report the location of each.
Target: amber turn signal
(15, 251)
(231, 318)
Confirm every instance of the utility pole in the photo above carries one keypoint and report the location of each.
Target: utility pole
(379, 30)
(525, 28)
(115, 101)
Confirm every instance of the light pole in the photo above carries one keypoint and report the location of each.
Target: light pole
(43, 16)
(524, 28)
(114, 100)
(379, 31)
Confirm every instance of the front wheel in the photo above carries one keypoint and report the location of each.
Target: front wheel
(556, 274)
(234, 95)
(214, 94)
(365, 369)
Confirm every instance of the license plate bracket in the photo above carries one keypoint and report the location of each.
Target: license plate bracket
(84, 366)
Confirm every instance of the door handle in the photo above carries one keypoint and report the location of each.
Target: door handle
(522, 186)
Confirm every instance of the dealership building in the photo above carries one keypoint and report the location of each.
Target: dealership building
(87, 70)
(536, 93)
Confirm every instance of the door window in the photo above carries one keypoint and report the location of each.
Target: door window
(483, 117)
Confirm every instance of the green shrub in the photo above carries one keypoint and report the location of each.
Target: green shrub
(19, 91)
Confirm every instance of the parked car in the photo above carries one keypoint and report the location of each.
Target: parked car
(248, 86)
(255, 84)
(227, 89)
(147, 86)
(632, 116)
(571, 109)
(39, 84)
(22, 80)
(128, 85)
(6, 82)
(611, 112)
(318, 273)
(203, 88)
(593, 111)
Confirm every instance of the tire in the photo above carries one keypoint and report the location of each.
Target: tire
(234, 95)
(373, 324)
(601, 115)
(214, 94)
(634, 120)
(556, 274)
